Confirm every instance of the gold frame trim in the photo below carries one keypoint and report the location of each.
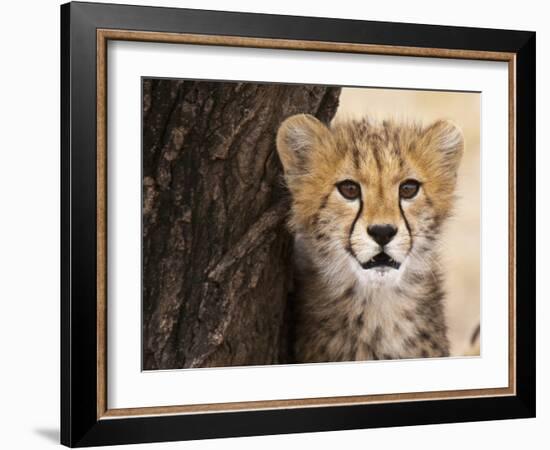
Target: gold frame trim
(104, 35)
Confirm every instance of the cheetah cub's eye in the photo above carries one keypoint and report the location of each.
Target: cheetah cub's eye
(408, 189)
(349, 189)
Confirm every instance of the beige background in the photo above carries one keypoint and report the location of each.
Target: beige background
(460, 247)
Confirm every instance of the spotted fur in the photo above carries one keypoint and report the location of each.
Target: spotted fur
(346, 312)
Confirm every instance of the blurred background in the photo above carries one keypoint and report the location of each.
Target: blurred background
(460, 247)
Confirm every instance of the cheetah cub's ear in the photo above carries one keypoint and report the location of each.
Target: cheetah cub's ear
(446, 141)
(297, 138)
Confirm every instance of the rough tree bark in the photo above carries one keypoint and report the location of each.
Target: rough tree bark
(216, 254)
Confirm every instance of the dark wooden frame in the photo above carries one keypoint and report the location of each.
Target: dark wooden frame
(85, 418)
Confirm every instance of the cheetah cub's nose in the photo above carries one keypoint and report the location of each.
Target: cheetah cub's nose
(382, 234)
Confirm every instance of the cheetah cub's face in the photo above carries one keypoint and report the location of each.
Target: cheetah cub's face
(369, 199)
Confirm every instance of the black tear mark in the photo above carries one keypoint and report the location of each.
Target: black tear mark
(349, 248)
(406, 225)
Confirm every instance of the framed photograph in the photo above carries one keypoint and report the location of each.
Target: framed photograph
(276, 224)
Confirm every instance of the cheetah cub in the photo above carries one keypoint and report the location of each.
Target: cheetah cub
(368, 203)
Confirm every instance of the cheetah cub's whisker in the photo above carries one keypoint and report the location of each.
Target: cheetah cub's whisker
(368, 203)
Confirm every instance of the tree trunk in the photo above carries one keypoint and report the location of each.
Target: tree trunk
(216, 255)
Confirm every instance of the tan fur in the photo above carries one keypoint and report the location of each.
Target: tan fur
(345, 312)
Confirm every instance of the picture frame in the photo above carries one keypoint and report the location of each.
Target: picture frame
(86, 30)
